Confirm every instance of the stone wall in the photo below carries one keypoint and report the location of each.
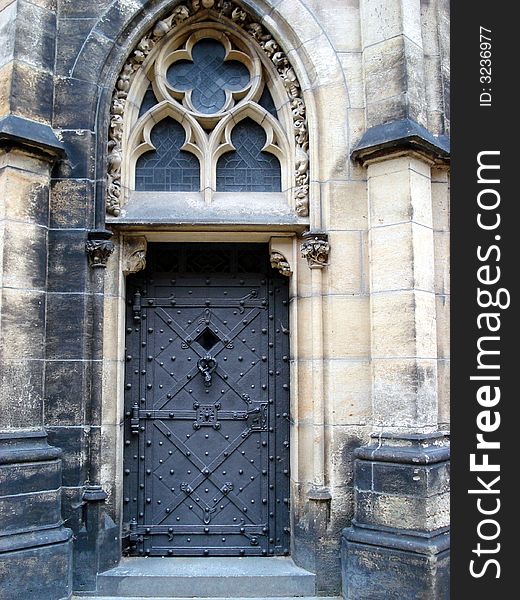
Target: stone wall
(369, 332)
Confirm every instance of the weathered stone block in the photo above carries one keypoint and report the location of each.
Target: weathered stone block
(394, 108)
(118, 16)
(327, 13)
(81, 155)
(352, 63)
(31, 92)
(75, 104)
(345, 272)
(67, 333)
(291, 12)
(25, 256)
(71, 35)
(400, 196)
(388, 509)
(443, 382)
(392, 258)
(397, 546)
(67, 385)
(72, 9)
(6, 75)
(349, 389)
(44, 572)
(68, 267)
(25, 196)
(403, 325)
(35, 35)
(380, 20)
(23, 318)
(75, 443)
(92, 57)
(385, 70)
(115, 311)
(71, 203)
(347, 203)
(443, 309)
(357, 125)
(7, 33)
(21, 385)
(442, 262)
(405, 393)
(372, 571)
(440, 200)
(347, 326)
(35, 550)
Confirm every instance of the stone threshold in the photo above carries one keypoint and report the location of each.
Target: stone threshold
(211, 577)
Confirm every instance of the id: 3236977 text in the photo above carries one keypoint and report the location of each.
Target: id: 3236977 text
(485, 66)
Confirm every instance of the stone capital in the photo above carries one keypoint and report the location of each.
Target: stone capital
(134, 254)
(99, 247)
(316, 249)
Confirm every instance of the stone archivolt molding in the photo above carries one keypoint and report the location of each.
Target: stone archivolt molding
(172, 39)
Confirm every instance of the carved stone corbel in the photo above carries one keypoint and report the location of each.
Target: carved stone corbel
(316, 249)
(134, 254)
(99, 247)
(281, 254)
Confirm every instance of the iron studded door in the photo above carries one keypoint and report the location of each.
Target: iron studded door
(207, 404)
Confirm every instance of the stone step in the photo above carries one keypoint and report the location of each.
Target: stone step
(224, 578)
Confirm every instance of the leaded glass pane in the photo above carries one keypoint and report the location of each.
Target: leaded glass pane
(266, 101)
(208, 76)
(248, 168)
(168, 168)
(149, 101)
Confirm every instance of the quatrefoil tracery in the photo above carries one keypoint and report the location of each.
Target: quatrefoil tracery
(206, 77)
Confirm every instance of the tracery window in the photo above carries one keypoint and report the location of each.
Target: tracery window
(200, 107)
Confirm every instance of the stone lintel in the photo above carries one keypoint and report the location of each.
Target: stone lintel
(404, 135)
(39, 137)
(417, 449)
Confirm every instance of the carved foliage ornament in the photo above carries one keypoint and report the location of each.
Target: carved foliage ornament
(99, 248)
(316, 248)
(269, 46)
(278, 261)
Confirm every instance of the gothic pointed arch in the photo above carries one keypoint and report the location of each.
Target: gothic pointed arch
(207, 75)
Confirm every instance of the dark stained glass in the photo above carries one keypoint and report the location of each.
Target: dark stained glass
(208, 76)
(266, 101)
(149, 101)
(167, 169)
(248, 168)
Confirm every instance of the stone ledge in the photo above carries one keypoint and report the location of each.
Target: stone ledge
(404, 135)
(430, 545)
(35, 539)
(26, 446)
(416, 449)
(19, 131)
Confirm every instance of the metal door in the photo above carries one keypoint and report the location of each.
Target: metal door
(206, 459)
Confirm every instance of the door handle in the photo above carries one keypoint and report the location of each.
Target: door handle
(207, 366)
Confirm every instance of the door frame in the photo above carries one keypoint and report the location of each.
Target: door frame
(130, 250)
(274, 438)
